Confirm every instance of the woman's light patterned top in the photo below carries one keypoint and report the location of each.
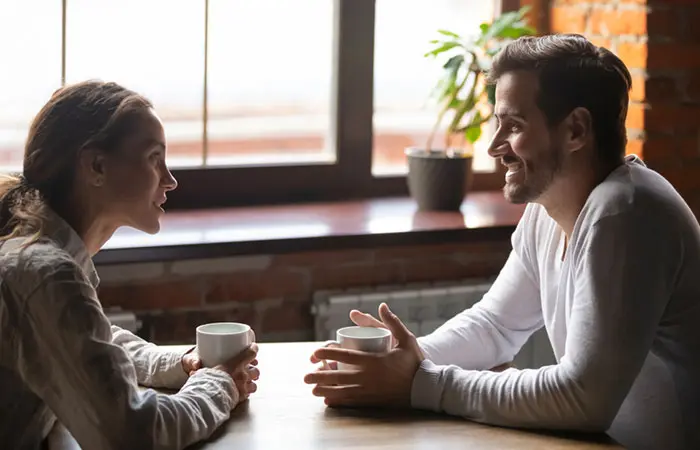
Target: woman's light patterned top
(60, 359)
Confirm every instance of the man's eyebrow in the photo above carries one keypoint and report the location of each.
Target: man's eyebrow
(509, 113)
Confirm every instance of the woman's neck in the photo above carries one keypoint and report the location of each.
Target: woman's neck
(93, 228)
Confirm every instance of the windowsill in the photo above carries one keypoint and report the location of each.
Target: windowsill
(315, 226)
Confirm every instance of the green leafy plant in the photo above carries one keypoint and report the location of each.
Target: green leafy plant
(462, 88)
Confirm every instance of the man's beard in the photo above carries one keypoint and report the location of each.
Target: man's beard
(539, 174)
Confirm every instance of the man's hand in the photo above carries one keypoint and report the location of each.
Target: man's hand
(366, 320)
(381, 379)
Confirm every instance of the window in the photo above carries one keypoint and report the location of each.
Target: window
(30, 54)
(263, 101)
(269, 81)
(161, 56)
(403, 78)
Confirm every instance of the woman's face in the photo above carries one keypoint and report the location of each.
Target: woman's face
(136, 178)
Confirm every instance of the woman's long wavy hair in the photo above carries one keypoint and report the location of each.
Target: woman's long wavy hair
(90, 114)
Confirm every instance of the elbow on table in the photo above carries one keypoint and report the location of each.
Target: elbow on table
(597, 411)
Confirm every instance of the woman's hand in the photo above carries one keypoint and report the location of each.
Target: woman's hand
(191, 361)
(243, 369)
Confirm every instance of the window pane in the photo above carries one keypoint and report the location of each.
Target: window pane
(154, 47)
(30, 55)
(404, 112)
(270, 68)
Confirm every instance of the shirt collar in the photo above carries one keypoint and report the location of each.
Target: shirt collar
(66, 237)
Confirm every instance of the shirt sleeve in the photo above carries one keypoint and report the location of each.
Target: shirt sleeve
(492, 331)
(67, 358)
(155, 366)
(624, 275)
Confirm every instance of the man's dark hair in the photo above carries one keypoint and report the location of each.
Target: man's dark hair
(574, 73)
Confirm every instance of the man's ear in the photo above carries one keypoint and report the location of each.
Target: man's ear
(578, 129)
(92, 164)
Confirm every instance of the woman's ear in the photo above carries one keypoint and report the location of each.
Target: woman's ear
(92, 165)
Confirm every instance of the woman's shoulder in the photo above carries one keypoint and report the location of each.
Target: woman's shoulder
(26, 264)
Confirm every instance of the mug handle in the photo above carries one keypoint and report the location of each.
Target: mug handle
(252, 335)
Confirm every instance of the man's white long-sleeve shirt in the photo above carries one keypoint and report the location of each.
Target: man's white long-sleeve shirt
(621, 306)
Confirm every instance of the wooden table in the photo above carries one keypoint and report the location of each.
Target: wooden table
(283, 414)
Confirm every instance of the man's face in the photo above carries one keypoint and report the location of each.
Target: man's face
(523, 142)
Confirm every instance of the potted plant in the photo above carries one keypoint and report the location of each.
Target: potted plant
(438, 177)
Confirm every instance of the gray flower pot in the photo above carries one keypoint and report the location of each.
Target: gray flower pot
(438, 180)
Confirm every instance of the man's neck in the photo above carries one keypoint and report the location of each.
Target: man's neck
(569, 192)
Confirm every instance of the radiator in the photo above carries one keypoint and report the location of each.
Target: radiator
(422, 308)
(123, 319)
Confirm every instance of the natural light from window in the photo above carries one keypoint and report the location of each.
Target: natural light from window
(269, 76)
(404, 113)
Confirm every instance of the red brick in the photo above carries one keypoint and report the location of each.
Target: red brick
(251, 286)
(638, 91)
(669, 119)
(662, 22)
(693, 87)
(685, 180)
(688, 146)
(356, 275)
(618, 22)
(160, 295)
(322, 258)
(673, 55)
(435, 269)
(662, 89)
(289, 316)
(416, 252)
(635, 147)
(672, 150)
(179, 327)
(634, 55)
(600, 41)
(657, 147)
(439, 250)
(635, 116)
(569, 19)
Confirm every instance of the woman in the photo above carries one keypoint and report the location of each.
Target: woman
(94, 161)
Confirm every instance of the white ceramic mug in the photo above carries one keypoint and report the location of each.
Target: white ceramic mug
(220, 341)
(365, 339)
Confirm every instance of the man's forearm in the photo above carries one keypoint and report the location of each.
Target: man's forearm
(544, 398)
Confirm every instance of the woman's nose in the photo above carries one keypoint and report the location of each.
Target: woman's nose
(169, 182)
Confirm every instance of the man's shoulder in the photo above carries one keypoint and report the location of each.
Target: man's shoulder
(638, 192)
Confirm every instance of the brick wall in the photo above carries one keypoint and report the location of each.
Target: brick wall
(274, 293)
(659, 40)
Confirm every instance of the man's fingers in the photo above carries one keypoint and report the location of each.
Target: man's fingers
(354, 357)
(394, 324)
(253, 373)
(365, 320)
(329, 377)
(340, 394)
(329, 344)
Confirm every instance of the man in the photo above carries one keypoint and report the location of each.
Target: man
(606, 257)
